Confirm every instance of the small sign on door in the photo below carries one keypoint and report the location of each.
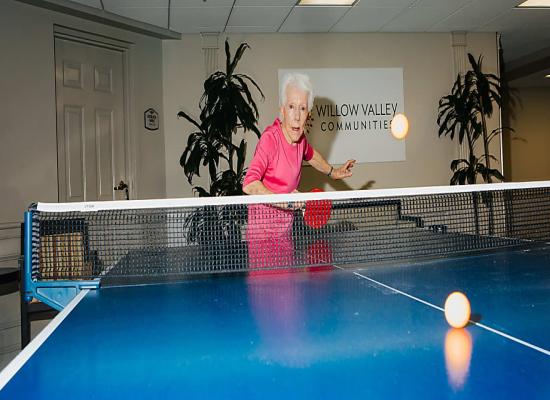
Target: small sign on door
(151, 119)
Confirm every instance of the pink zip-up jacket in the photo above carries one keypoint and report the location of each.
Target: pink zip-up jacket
(278, 165)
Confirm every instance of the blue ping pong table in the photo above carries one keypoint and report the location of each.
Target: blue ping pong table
(371, 332)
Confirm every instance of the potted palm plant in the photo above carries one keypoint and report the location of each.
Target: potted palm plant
(226, 107)
(464, 113)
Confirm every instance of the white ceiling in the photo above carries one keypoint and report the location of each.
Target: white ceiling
(524, 31)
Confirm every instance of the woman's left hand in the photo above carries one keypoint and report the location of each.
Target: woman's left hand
(344, 171)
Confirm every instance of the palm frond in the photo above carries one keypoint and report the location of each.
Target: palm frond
(463, 114)
(226, 106)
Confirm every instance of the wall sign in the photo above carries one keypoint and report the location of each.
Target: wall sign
(352, 112)
(151, 119)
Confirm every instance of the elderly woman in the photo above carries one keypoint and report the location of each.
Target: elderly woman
(277, 163)
(276, 168)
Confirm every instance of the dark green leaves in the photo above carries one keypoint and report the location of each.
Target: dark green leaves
(457, 115)
(463, 113)
(466, 171)
(226, 106)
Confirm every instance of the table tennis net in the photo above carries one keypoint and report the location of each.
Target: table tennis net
(153, 241)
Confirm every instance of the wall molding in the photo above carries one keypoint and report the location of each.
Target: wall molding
(10, 230)
(104, 17)
(9, 257)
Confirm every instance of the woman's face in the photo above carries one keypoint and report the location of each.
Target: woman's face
(294, 113)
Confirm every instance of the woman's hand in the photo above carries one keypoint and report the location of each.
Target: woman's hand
(321, 165)
(291, 205)
(298, 205)
(344, 171)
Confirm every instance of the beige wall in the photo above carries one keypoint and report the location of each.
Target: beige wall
(427, 63)
(528, 147)
(183, 71)
(28, 151)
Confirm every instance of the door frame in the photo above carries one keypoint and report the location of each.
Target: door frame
(126, 49)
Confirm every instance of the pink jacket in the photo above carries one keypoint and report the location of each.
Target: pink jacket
(276, 163)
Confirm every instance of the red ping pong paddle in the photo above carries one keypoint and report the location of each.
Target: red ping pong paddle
(317, 212)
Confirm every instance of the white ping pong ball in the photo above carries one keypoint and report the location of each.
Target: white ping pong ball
(399, 126)
(457, 310)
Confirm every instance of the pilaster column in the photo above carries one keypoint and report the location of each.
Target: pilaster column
(458, 44)
(210, 49)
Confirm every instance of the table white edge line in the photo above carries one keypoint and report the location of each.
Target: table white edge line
(277, 198)
(15, 365)
(515, 339)
(488, 328)
(399, 291)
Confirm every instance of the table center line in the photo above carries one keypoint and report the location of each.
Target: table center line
(488, 328)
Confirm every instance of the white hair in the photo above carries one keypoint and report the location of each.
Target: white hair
(299, 81)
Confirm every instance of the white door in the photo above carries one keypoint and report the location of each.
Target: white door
(90, 121)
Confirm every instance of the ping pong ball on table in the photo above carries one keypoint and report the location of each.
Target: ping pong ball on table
(457, 310)
(399, 126)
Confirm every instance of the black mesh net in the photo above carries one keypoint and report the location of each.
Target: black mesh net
(158, 244)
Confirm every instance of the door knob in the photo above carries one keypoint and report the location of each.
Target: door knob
(123, 186)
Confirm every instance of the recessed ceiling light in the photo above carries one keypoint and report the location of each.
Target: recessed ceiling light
(535, 4)
(327, 2)
(547, 76)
